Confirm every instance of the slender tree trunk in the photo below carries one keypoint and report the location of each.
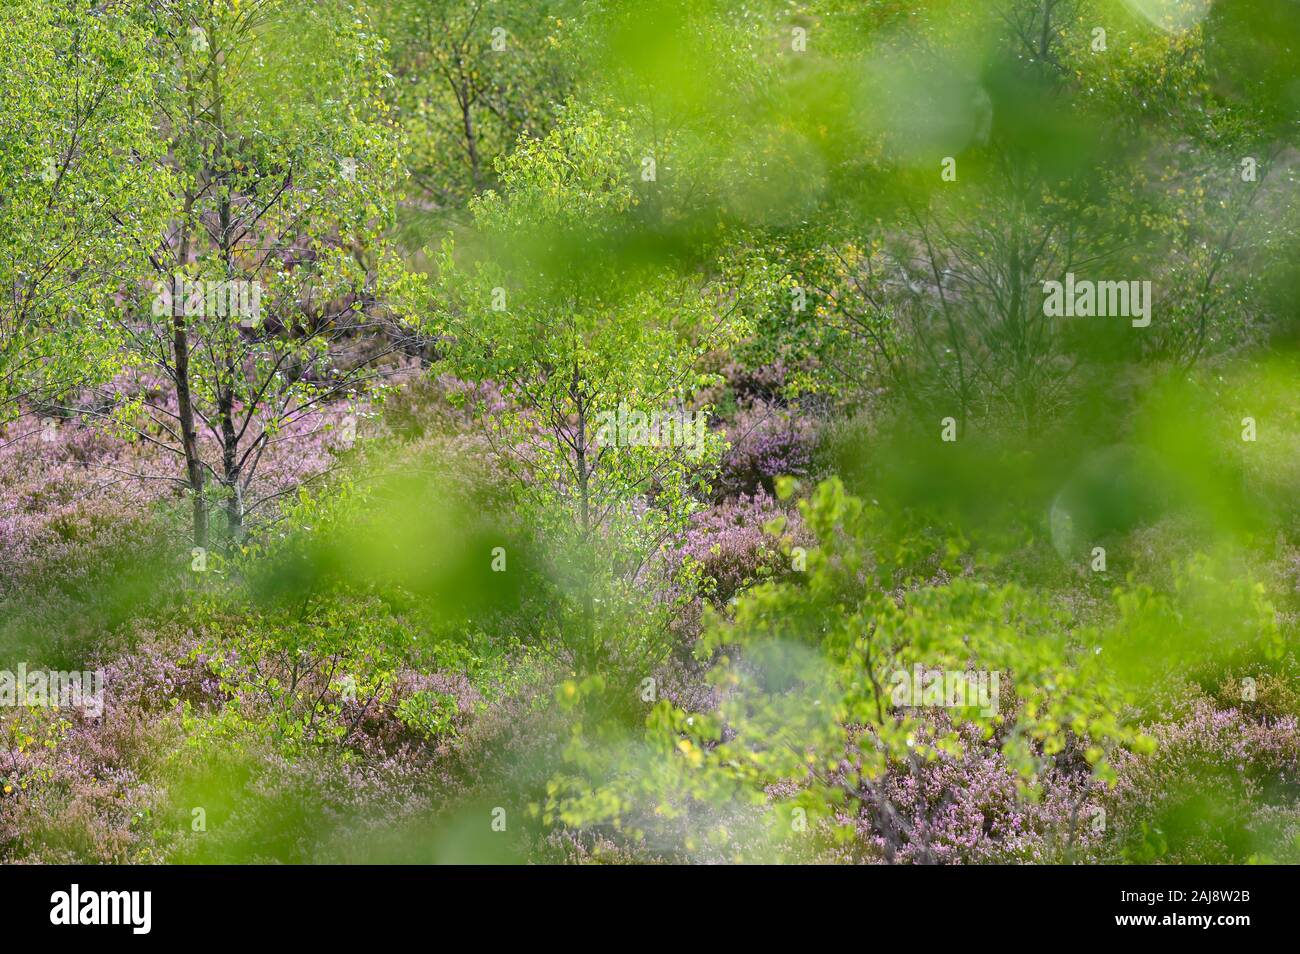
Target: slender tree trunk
(184, 401)
(1045, 38)
(465, 98)
(588, 563)
(189, 434)
(235, 511)
(230, 468)
(234, 502)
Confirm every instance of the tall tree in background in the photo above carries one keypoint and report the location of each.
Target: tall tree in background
(281, 167)
(583, 334)
(471, 78)
(78, 189)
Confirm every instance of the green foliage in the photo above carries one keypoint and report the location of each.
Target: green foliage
(810, 673)
(1215, 620)
(281, 174)
(470, 80)
(79, 197)
(288, 675)
(1054, 560)
(533, 302)
(430, 713)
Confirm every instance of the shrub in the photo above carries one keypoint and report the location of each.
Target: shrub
(730, 543)
(808, 726)
(767, 442)
(1221, 788)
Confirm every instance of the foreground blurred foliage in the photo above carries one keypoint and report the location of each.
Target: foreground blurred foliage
(479, 613)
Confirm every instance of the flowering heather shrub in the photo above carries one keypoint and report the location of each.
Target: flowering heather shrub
(71, 492)
(315, 775)
(767, 442)
(734, 382)
(809, 660)
(162, 675)
(765, 383)
(119, 788)
(1221, 788)
(952, 809)
(420, 708)
(80, 545)
(87, 789)
(59, 493)
(968, 809)
(729, 542)
(682, 681)
(87, 541)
